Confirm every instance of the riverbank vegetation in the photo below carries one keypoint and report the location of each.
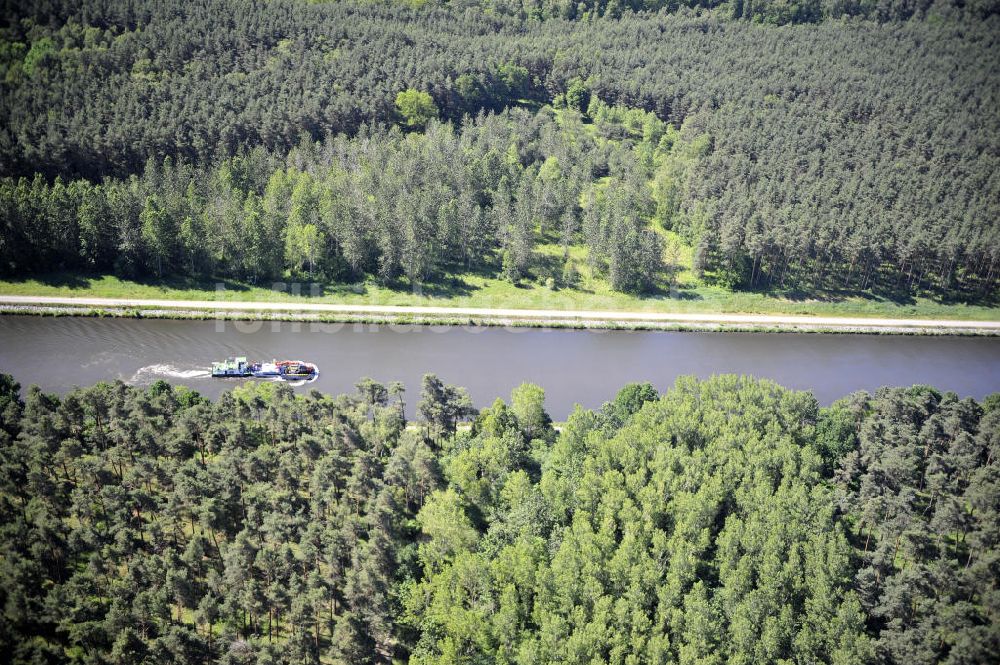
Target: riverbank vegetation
(481, 291)
(726, 519)
(649, 155)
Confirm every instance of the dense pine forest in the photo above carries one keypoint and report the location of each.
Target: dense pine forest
(794, 146)
(811, 149)
(727, 520)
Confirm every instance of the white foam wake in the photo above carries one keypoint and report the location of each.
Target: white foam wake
(151, 372)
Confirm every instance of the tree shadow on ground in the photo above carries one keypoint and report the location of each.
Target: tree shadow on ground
(886, 289)
(451, 287)
(685, 292)
(342, 289)
(662, 291)
(901, 297)
(833, 295)
(441, 287)
(192, 283)
(77, 281)
(57, 280)
(488, 268)
(802, 294)
(983, 298)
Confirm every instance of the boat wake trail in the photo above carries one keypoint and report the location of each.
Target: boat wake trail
(152, 372)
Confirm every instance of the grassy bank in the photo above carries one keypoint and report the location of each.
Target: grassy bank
(477, 290)
(347, 318)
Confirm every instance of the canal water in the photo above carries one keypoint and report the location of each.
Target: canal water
(573, 366)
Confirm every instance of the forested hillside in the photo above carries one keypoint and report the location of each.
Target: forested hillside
(855, 154)
(388, 204)
(728, 520)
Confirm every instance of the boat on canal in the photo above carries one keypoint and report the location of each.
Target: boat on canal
(289, 370)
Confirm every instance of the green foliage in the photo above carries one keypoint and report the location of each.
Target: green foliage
(527, 402)
(159, 527)
(921, 488)
(443, 406)
(416, 107)
(448, 530)
(617, 236)
(158, 233)
(628, 402)
(578, 95)
(10, 405)
(677, 127)
(515, 78)
(837, 429)
(775, 12)
(708, 566)
(727, 520)
(36, 55)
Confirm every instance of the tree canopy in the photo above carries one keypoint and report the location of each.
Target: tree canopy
(416, 107)
(836, 154)
(727, 520)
